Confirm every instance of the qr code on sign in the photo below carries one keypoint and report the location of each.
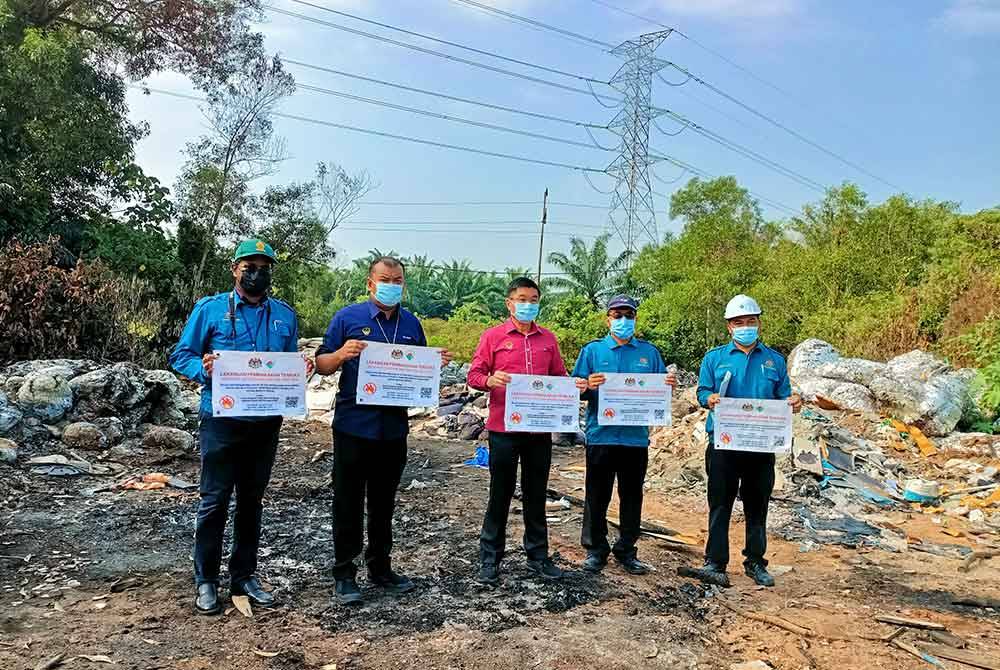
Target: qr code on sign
(567, 419)
(426, 391)
(291, 401)
(658, 414)
(779, 441)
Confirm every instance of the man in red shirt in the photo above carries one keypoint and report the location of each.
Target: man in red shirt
(517, 346)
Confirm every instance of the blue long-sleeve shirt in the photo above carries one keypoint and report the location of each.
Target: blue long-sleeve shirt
(761, 374)
(607, 356)
(271, 325)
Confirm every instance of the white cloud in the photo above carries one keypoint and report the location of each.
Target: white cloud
(972, 17)
(730, 9)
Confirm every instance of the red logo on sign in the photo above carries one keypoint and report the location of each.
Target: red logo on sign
(227, 402)
(609, 413)
(515, 418)
(726, 438)
(370, 388)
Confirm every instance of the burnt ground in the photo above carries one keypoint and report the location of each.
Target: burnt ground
(109, 574)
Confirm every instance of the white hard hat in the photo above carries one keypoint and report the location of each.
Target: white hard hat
(742, 305)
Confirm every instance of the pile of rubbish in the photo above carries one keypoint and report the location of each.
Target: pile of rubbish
(86, 406)
(875, 446)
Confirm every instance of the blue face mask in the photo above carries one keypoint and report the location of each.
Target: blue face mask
(745, 335)
(623, 328)
(525, 312)
(388, 294)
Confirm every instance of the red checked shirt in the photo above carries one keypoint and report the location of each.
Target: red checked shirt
(504, 349)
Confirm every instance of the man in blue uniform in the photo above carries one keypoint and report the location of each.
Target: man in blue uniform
(615, 451)
(236, 453)
(369, 441)
(744, 368)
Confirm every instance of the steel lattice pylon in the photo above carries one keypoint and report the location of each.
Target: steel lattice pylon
(632, 214)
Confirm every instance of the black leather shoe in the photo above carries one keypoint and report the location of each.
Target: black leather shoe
(347, 591)
(633, 565)
(594, 563)
(759, 573)
(252, 589)
(392, 582)
(545, 568)
(489, 574)
(207, 601)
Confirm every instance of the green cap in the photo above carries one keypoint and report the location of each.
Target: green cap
(254, 248)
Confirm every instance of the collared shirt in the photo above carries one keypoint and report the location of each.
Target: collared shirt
(365, 321)
(761, 374)
(504, 348)
(270, 325)
(607, 356)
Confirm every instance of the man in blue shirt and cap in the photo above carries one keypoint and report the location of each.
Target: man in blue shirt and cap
(236, 453)
(369, 441)
(744, 368)
(615, 451)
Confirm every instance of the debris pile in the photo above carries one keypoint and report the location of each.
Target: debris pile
(91, 407)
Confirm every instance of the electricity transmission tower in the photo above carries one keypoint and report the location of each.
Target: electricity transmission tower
(632, 213)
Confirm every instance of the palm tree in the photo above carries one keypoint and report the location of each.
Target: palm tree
(457, 284)
(589, 273)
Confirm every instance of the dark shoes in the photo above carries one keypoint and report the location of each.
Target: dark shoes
(489, 574)
(207, 601)
(347, 591)
(254, 592)
(392, 582)
(759, 574)
(594, 563)
(545, 569)
(633, 565)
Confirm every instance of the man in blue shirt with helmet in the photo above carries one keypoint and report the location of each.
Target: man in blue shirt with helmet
(615, 451)
(236, 453)
(743, 368)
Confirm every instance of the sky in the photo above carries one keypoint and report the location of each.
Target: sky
(896, 96)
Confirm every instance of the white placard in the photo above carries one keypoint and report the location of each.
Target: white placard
(259, 383)
(634, 400)
(542, 404)
(746, 424)
(398, 375)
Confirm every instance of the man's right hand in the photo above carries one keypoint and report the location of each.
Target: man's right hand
(351, 349)
(497, 379)
(208, 362)
(595, 380)
(714, 400)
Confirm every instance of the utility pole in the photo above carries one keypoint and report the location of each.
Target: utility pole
(541, 236)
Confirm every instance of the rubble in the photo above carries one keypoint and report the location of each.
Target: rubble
(8, 451)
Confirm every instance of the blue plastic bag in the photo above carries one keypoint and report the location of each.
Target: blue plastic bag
(481, 459)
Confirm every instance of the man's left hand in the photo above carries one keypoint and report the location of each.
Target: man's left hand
(671, 380)
(795, 400)
(581, 384)
(310, 365)
(446, 357)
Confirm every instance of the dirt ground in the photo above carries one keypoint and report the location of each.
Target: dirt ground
(109, 575)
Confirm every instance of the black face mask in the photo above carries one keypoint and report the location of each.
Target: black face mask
(256, 281)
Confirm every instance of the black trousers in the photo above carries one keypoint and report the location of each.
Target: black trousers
(364, 470)
(752, 476)
(534, 451)
(235, 456)
(604, 464)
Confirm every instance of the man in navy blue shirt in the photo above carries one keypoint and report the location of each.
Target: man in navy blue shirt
(369, 441)
(744, 368)
(615, 451)
(236, 453)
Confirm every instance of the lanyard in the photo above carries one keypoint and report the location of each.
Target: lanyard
(394, 333)
(252, 335)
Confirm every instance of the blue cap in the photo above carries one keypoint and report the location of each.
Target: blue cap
(623, 300)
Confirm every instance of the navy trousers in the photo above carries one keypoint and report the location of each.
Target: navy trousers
(236, 456)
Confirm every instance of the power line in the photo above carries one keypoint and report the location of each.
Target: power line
(405, 138)
(444, 96)
(456, 45)
(532, 223)
(718, 91)
(445, 117)
(537, 24)
(534, 203)
(505, 271)
(780, 125)
(532, 233)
